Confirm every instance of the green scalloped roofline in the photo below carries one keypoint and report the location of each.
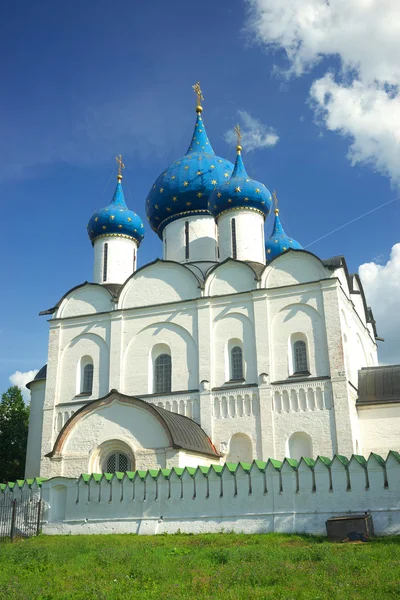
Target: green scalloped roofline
(205, 470)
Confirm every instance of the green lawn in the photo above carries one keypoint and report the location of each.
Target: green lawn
(205, 566)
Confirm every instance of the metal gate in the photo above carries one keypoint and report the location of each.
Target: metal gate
(20, 517)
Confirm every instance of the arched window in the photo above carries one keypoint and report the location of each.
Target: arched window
(186, 240)
(300, 362)
(105, 259)
(233, 228)
(162, 374)
(117, 462)
(236, 363)
(87, 379)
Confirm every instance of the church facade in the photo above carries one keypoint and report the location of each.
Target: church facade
(231, 348)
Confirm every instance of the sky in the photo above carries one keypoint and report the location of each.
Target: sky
(314, 86)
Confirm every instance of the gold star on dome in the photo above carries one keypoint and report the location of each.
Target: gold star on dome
(214, 181)
(257, 190)
(284, 248)
(276, 241)
(229, 199)
(185, 183)
(104, 227)
(200, 130)
(141, 226)
(212, 166)
(96, 219)
(263, 202)
(156, 206)
(164, 174)
(178, 162)
(154, 187)
(199, 194)
(122, 209)
(198, 172)
(215, 206)
(208, 203)
(219, 194)
(290, 241)
(237, 189)
(220, 160)
(199, 158)
(187, 166)
(197, 142)
(174, 199)
(135, 230)
(247, 180)
(112, 217)
(194, 138)
(129, 219)
(269, 251)
(119, 226)
(246, 199)
(173, 177)
(188, 204)
(169, 209)
(161, 190)
(226, 174)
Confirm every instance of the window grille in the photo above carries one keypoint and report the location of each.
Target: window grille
(117, 462)
(105, 258)
(236, 363)
(300, 357)
(87, 384)
(162, 374)
(233, 227)
(186, 239)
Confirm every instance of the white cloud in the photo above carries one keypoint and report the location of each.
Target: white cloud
(21, 379)
(385, 304)
(255, 135)
(362, 96)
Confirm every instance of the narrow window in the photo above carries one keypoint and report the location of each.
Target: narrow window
(186, 239)
(300, 357)
(134, 258)
(105, 258)
(162, 374)
(236, 363)
(87, 383)
(233, 226)
(117, 462)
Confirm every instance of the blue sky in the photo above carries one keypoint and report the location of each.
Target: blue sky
(84, 81)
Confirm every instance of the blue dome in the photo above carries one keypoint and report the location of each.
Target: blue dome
(116, 219)
(184, 188)
(240, 191)
(279, 242)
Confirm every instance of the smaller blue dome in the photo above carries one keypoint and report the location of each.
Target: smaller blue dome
(240, 191)
(279, 242)
(116, 219)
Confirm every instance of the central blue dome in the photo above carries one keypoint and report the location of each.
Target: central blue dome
(184, 188)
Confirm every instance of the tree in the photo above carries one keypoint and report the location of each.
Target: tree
(14, 420)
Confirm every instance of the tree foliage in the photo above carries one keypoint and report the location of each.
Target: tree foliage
(14, 420)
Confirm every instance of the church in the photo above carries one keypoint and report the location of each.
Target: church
(231, 348)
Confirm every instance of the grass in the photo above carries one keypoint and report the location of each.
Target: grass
(221, 566)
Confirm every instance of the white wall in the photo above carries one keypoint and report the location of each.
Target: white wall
(379, 428)
(32, 464)
(121, 261)
(202, 239)
(250, 241)
(263, 498)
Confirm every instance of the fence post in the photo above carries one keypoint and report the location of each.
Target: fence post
(13, 518)
(39, 505)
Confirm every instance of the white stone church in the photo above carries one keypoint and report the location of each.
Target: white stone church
(231, 348)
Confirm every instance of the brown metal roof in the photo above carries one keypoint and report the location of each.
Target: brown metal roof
(378, 385)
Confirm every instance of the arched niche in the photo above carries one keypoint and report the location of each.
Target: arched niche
(299, 445)
(85, 300)
(230, 329)
(137, 377)
(230, 277)
(299, 320)
(293, 267)
(158, 283)
(240, 449)
(85, 347)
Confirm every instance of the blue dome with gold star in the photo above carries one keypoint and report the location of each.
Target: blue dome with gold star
(240, 191)
(116, 219)
(184, 188)
(279, 242)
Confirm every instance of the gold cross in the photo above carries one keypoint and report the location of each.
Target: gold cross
(120, 165)
(197, 90)
(239, 135)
